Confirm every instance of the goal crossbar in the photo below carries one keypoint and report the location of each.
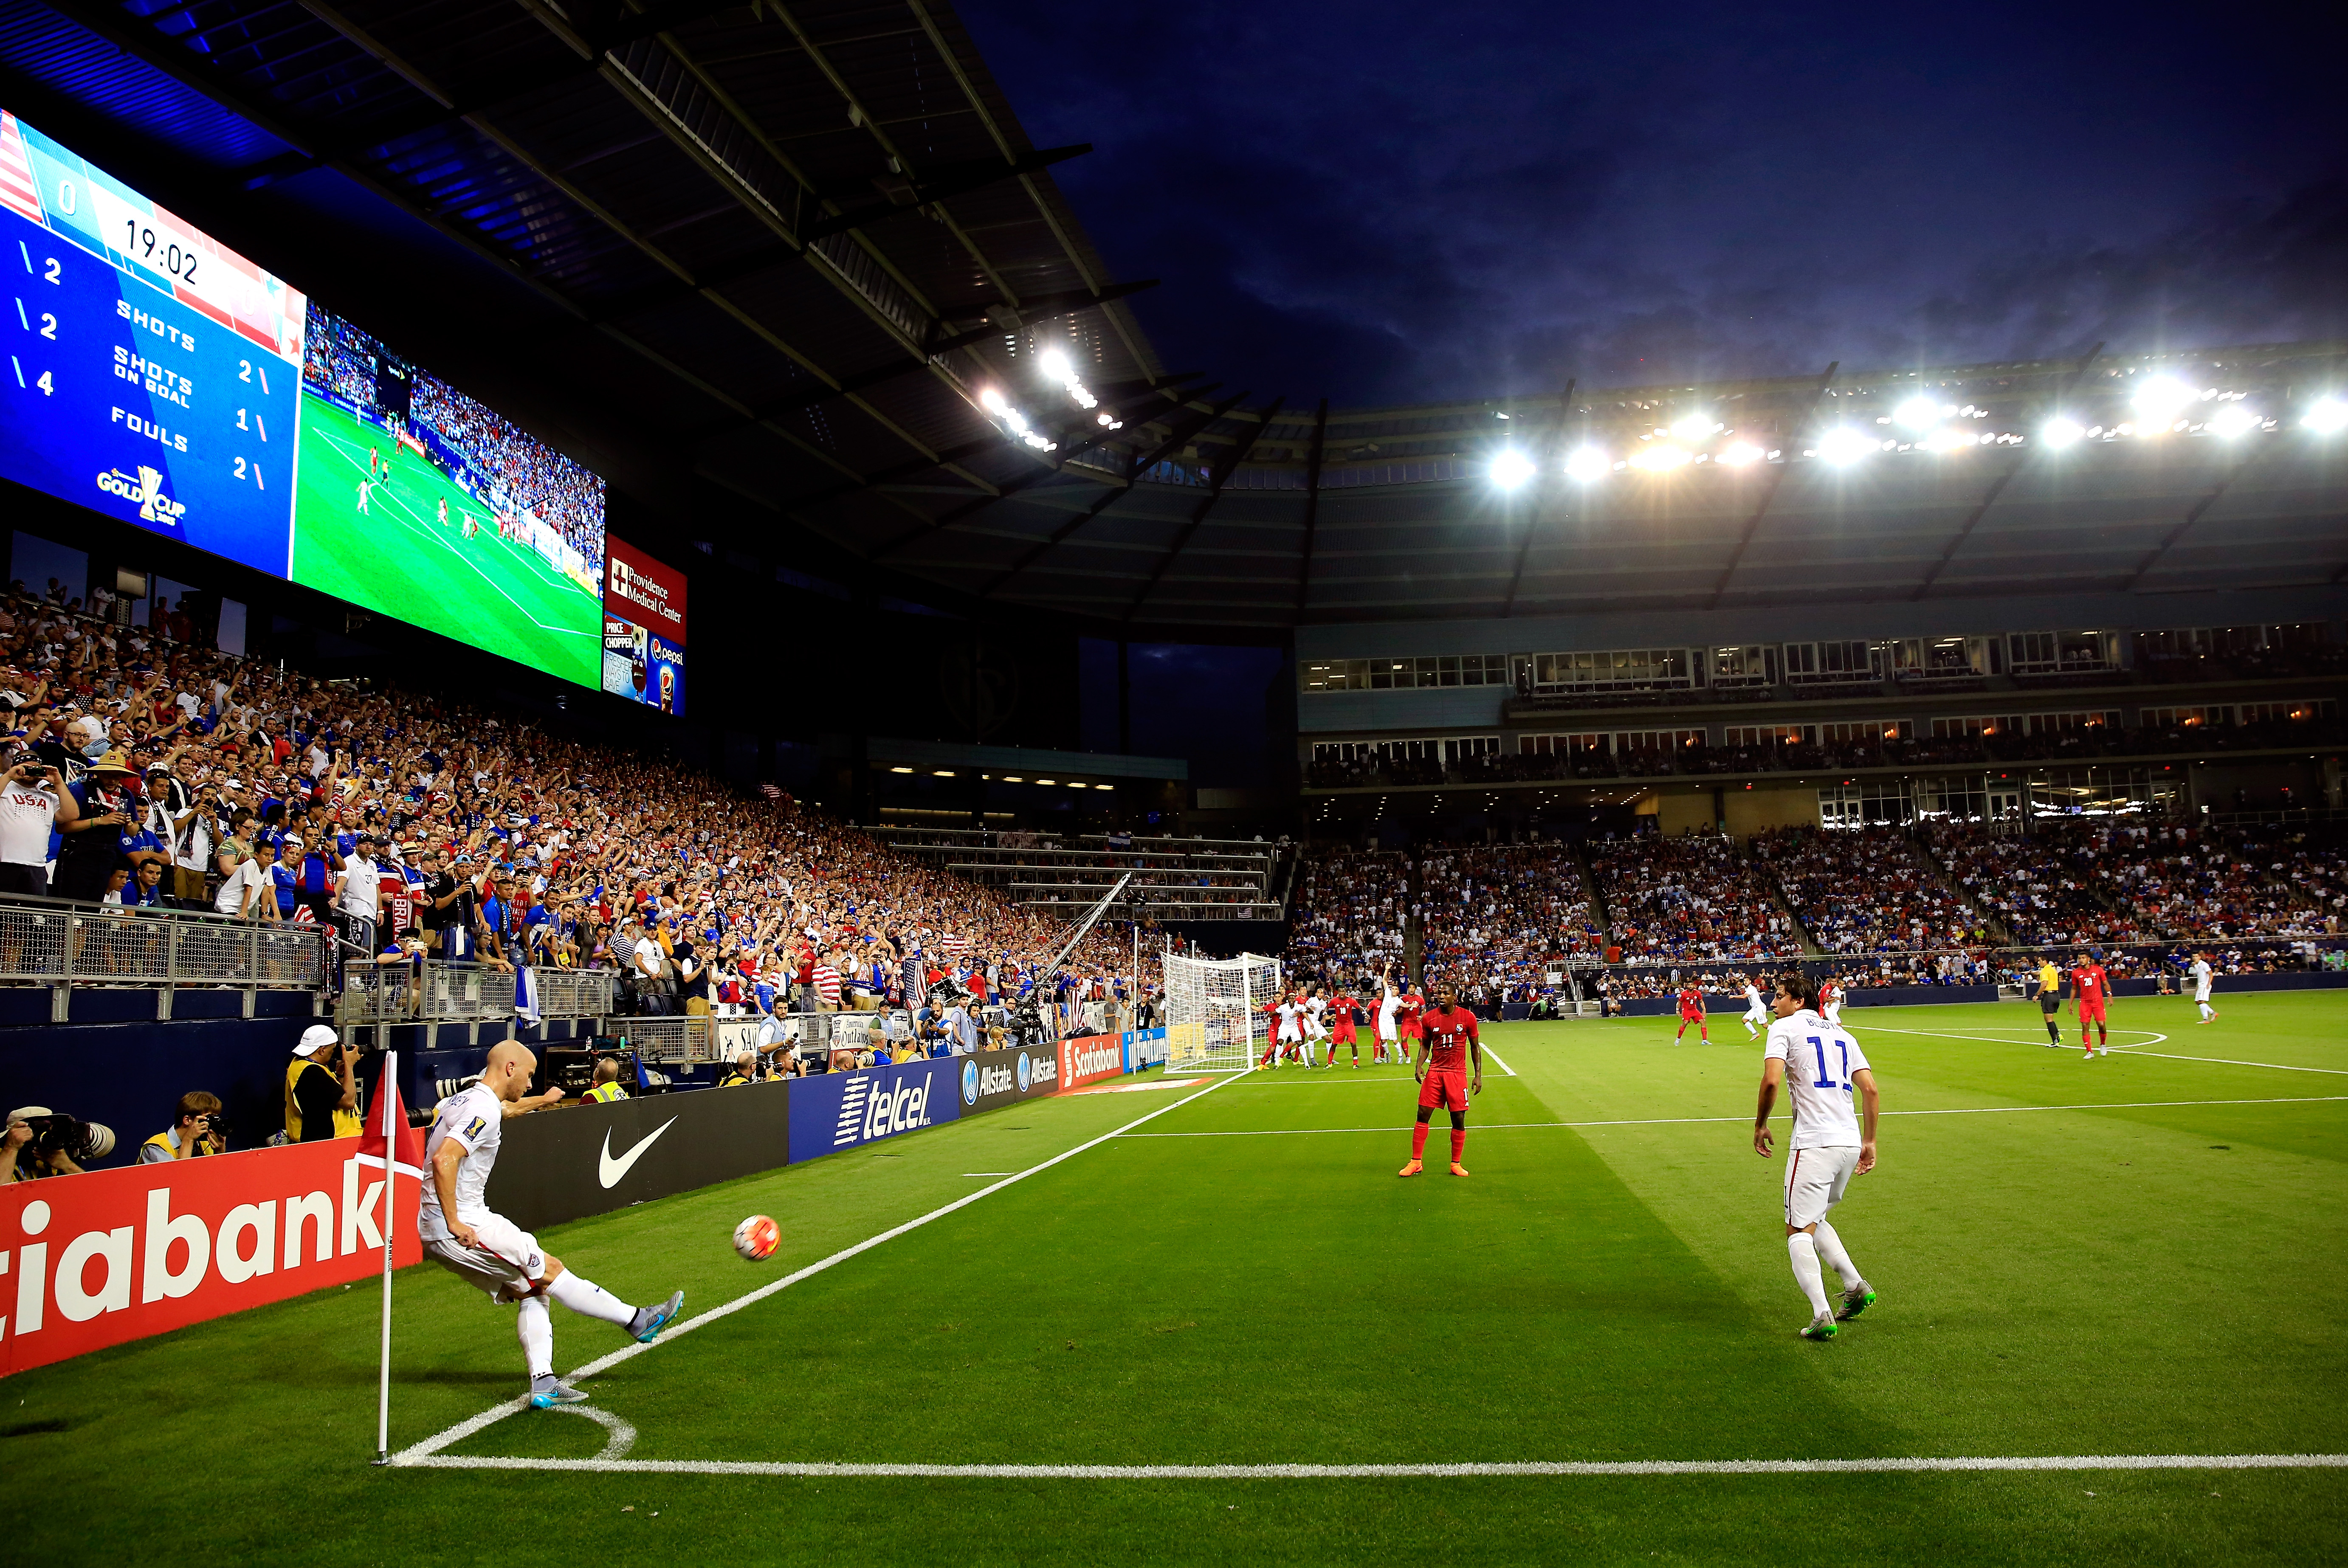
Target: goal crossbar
(1216, 1017)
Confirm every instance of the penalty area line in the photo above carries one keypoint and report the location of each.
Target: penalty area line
(1595, 1468)
(1698, 1120)
(425, 1451)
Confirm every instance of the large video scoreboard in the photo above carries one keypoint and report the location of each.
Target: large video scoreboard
(159, 377)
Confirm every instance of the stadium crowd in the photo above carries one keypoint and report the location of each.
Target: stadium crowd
(1690, 896)
(1491, 916)
(166, 775)
(1349, 912)
(1865, 890)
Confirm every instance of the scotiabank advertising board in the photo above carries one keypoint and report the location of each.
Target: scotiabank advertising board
(1089, 1058)
(110, 1256)
(644, 628)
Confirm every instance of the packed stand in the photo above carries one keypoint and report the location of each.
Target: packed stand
(1689, 898)
(1350, 910)
(523, 474)
(1491, 916)
(1865, 890)
(2042, 887)
(2220, 884)
(420, 828)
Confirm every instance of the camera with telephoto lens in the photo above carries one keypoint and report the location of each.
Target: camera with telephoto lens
(69, 1135)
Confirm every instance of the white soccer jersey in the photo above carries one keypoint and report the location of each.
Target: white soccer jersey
(1315, 1007)
(476, 1120)
(1753, 999)
(1288, 1011)
(1388, 1007)
(2200, 972)
(1821, 1060)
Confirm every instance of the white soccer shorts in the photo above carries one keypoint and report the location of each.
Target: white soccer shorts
(1834, 1015)
(2202, 995)
(1754, 1015)
(1289, 1035)
(1815, 1180)
(506, 1265)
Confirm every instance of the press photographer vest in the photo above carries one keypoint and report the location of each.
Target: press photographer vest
(347, 1124)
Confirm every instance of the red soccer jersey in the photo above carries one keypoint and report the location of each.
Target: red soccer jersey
(1691, 1001)
(2089, 984)
(1447, 1031)
(1410, 1021)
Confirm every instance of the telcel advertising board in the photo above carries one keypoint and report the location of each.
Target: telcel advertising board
(161, 378)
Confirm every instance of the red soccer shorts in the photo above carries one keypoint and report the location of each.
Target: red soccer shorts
(2091, 1012)
(1444, 1091)
(1690, 1018)
(1344, 1033)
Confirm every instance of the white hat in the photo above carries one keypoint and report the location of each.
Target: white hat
(315, 1037)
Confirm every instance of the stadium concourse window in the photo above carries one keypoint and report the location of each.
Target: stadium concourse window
(1390, 674)
(1621, 669)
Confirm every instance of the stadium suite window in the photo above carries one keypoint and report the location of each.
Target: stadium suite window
(1614, 668)
(1391, 674)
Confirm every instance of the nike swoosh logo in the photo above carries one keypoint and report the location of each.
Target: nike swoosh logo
(609, 1171)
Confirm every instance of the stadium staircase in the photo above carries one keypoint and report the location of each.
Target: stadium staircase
(1811, 947)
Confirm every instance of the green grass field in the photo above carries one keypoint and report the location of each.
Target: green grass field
(400, 560)
(2138, 1255)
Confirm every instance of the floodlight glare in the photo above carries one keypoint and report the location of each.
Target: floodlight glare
(992, 401)
(2234, 420)
(1917, 413)
(2161, 399)
(1843, 446)
(1585, 464)
(1740, 453)
(2328, 416)
(2061, 432)
(1512, 469)
(1693, 427)
(1657, 457)
(1056, 365)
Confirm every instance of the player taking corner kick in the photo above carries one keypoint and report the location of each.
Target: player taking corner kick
(1448, 1045)
(1829, 1146)
(490, 1252)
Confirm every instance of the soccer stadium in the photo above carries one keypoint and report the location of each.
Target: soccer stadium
(1156, 1003)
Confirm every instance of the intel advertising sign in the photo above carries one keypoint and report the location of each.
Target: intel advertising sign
(1144, 1047)
(836, 1110)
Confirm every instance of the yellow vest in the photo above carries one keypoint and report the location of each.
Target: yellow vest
(605, 1093)
(347, 1124)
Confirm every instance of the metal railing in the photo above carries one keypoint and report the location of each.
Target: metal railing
(574, 993)
(685, 1041)
(53, 942)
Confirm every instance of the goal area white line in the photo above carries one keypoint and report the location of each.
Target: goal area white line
(1695, 1120)
(421, 1452)
(1598, 1468)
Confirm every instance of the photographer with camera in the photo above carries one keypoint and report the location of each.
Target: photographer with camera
(33, 800)
(39, 1143)
(199, 1130)
(322, 1098)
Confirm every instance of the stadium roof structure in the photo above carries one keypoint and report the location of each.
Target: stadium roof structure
(807, 246)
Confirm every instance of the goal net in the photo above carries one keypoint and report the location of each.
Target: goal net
(1214, 1011)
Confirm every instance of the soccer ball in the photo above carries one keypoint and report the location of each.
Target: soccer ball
(757, 1238)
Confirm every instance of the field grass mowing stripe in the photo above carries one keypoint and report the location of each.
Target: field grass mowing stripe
(1380, 1471)
(1692, 1121)
(2152, 1036)
(416, 1452)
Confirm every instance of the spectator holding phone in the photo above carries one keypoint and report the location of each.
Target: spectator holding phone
(34, 803)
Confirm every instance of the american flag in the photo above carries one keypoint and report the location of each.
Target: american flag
(772, 792)
(956, 946)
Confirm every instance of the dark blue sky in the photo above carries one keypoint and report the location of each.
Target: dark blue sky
(1387, 202)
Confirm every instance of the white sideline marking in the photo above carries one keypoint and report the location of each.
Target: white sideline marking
(1600, 1468)
(416, 1453)
(623, 1438)
(1506, 1070)
(2227, 1061)
(2152, 1036)
(1692, 1121)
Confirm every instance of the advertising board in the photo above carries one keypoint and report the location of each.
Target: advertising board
(993, 1078)
(113, 1256)
(836, 1110)
(644, 628)
(1088, 1059)
(579, 1160)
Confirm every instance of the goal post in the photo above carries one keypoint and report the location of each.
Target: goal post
(1215, 1018)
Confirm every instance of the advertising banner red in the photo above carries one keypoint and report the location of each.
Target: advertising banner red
(109, 1257)
(639, 588)
(1088, 1059)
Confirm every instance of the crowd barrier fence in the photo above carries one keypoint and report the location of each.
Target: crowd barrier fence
(61, 945)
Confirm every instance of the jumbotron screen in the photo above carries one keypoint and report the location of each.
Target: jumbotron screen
(162, 379)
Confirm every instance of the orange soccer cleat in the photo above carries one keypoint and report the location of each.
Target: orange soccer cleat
(1458, 1169)
(1413, 1169)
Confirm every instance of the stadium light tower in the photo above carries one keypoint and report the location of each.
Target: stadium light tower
(1510, 469)
(2327, 415)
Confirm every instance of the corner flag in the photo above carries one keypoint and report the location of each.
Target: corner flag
(391, 1146)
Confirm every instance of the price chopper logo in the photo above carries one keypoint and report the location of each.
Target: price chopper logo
(970, 1083)
(1025, 1069)
(147, 491)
